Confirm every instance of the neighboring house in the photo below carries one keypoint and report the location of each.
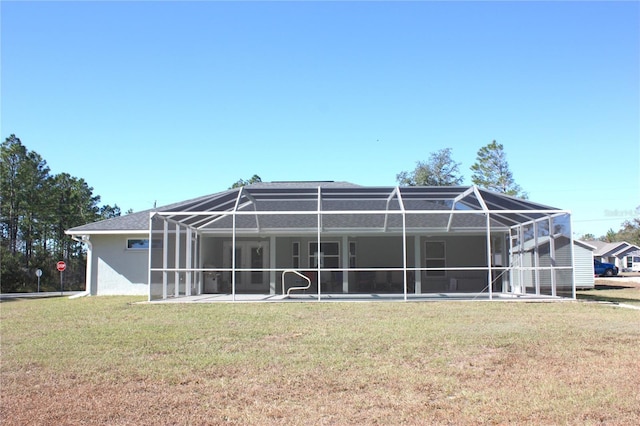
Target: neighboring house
(624, 255)
(350, 238)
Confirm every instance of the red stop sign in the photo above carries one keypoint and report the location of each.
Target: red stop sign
(61, 266)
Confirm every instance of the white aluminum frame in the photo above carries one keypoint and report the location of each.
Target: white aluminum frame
(209, 217)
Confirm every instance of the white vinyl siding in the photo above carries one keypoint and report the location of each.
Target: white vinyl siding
(583, 267)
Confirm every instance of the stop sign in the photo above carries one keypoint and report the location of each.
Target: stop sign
(61, 266)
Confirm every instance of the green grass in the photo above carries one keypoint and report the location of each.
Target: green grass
(613, 292)
(106, 360)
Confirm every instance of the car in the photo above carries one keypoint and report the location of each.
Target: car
(603, 269)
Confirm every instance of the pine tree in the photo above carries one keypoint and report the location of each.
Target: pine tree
(24, 183)
(491, 171)
(35, 210)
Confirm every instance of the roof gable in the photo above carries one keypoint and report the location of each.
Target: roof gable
(604, 248)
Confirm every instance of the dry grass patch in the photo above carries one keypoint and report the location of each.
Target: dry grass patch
(106, 361)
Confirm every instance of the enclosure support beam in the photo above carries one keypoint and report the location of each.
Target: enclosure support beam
(489, 270)
(395, 191)
(510, 262)
(404, 240)
(318, 255)
(177, 265)
(404, 253)
(272, 264)
(524, 280)
(460, 197)
(573, 262)
(552, 256)
(536, 258)
(149, 273)
(418, 262)
(165, 259)
(346, 257)
(200, 275)
(233, 247)
(245, 193)
(188, 263)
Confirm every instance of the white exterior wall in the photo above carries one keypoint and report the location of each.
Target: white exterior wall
(635, 262)
(117, 270)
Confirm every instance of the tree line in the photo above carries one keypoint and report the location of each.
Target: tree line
(628, 232)
(490, 171)
(36, 207)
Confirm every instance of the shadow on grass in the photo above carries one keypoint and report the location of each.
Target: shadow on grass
(595, 294)
(598, 298)
(611, 287)
(4, 299)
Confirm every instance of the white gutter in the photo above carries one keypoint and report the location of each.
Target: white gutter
(85, 240)
(110, 232)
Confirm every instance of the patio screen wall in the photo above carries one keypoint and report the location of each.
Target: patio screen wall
(352, 239)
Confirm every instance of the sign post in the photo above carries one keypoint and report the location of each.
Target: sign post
(61, 266)
(38, 274)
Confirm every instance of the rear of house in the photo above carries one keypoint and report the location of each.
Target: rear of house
(334, 238)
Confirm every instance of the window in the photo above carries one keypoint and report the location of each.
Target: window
(142, 244)
(435, 258)
(295, 251)
(329, 255)
(629, 261)
(137, 244)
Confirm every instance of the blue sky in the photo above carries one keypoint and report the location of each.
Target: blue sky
(165, 101)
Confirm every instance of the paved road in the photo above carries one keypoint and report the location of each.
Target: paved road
(42, 294)
(620, 279)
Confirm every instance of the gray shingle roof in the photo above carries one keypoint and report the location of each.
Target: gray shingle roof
(138, 221)
(336, 196)
(618, 249)
(130, 222)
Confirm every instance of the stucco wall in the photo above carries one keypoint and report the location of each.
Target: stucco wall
(117, 270)
(376, 252)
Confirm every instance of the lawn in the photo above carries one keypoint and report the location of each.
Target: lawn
(108, 360)
(614, 290)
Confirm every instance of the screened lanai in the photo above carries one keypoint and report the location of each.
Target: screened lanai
(320, 239)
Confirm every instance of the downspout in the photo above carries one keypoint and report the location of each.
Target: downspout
(85, 240)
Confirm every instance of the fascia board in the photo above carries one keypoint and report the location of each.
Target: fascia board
(629, 248)
(110, 232)
(612, 249)
(585, 245)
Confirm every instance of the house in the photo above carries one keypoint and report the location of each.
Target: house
(334, 238)
(624, 255)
